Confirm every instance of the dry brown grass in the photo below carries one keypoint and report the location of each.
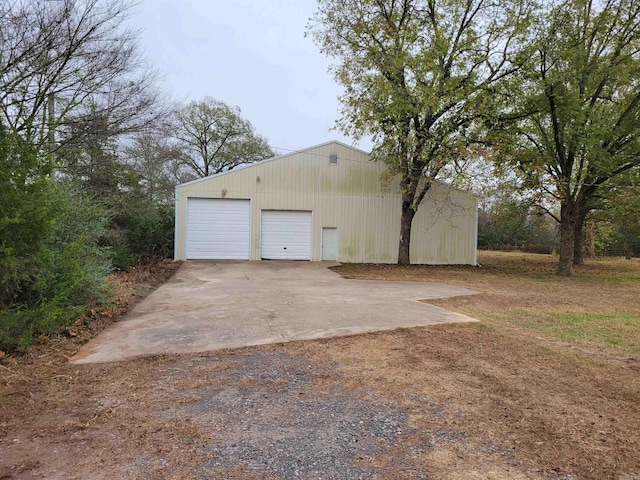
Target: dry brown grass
(503, 399)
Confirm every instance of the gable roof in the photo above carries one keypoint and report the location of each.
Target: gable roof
(296, 152)
(278, 157)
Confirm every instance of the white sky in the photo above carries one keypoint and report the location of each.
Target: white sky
(249, 53)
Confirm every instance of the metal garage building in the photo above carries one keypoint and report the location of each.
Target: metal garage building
(322, 203)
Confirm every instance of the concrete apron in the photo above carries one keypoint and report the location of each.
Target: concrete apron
(209, 306)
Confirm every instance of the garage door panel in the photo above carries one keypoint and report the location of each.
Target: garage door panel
(286, 235)
(218, 229)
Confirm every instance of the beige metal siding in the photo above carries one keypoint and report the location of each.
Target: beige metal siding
(348, 196)
(444, 229)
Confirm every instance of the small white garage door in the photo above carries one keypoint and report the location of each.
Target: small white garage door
(218, 229)
(286, 235)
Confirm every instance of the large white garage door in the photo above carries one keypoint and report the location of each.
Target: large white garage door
(218, 228)
(286, 235)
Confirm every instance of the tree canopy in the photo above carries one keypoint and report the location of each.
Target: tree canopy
(416, 75)
(574, 112)
(214, 137)
(72, 68)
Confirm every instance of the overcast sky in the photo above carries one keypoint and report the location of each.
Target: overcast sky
(249, 53)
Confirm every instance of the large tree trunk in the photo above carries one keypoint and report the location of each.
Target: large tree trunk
(578, 239)
(408, 187)
(568, 217)
(405, 234)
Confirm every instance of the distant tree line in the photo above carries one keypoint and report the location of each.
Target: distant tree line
(512, 216)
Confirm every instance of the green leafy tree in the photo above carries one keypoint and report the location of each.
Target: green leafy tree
(577, 109)
(94, 162)
(140, 227)
(416, 73)
(214, 137)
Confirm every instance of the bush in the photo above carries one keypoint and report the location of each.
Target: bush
(142, 233)
(64, 272)
(20, 327)
(150, 234)
(50, 264)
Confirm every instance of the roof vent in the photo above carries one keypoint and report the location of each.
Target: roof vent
(333, 159)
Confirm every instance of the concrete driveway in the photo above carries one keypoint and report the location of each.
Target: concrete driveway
(208, 306)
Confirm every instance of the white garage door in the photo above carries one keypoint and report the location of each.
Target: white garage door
(218, 228)
(286, 235)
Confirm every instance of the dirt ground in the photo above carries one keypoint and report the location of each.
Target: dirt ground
(493, 400)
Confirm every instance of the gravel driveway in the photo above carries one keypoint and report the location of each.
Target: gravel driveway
(272, 420)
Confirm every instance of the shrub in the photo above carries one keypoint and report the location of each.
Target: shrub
(64, 272)
(50, 264)
(141, 234)
(19, 327)
(150, 234)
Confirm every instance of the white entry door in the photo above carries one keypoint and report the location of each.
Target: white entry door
(329, 243)
(285, 235)
(218, 228)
